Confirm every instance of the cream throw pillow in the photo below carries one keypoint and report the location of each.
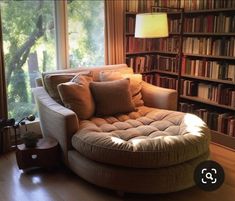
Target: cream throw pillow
(51, 80)
(112, 97)
(76, 96)
(135, 83)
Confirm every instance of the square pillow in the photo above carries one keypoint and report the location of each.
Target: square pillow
(135, 83)
(76, 96)
(51, 81)
(112, 97)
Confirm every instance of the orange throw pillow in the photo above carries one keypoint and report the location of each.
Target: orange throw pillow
(76, 96)
(135, 83)
(112, 97)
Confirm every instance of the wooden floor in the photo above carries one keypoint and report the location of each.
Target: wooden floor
(63, 185)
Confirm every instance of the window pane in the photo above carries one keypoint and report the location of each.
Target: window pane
(86, 32)
(29, 48)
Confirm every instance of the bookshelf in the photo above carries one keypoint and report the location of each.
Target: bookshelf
(207, 74)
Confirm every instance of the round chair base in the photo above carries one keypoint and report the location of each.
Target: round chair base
(135, 180)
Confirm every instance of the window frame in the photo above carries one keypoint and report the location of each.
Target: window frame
(62, 47)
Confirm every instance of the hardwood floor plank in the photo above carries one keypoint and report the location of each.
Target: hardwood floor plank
(63, 185)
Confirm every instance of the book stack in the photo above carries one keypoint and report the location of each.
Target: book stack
(197, 4)
(174, 25)
(166, 82)
(221, 122)
(149, 78)
(189, 88)
(210, 69)
(168, 64)
(141, 64)
(147, 63)
(217, 93)
(130, 25)
(209, 46)
(207, 73)
(161, 81)
(210, 23)
(139, 5)
(139, 45)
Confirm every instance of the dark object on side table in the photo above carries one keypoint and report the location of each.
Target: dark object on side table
(6, 122)
(4, 143)
(30, 139)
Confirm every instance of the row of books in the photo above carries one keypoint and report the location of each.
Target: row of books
(197, 4)
(139, 5)
(209, 46)
(130, 24)
(210, 69)
(164, 44)
(218, 93)
(191, 45)
(221, 122)
(145, 5)
(193, 67)
(189, 88)
(148, 63)
(161, 81)
(209, 23)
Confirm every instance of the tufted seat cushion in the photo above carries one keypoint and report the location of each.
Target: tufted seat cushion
(147, 138)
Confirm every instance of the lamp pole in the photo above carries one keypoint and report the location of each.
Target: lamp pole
(180, 47)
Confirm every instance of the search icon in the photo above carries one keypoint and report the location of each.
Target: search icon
(209, 176)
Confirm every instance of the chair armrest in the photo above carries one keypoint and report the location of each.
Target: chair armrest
(159, 97)
(56, 120)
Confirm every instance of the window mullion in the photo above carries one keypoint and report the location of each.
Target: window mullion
(61, 24)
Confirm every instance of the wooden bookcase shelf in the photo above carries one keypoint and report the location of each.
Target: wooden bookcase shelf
(208, 79)
(186, 34)
(211, 56)
(210, 11)
(161, 72)
(208, 102)
(225, 41)
(150, 52)
(189, 12)
(208, 34)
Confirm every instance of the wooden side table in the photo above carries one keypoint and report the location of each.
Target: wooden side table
(45, 154)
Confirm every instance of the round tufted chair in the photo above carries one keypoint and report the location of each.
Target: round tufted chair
(155, 150)
(152, 150)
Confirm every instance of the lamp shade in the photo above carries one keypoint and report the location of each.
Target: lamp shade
(151, 25)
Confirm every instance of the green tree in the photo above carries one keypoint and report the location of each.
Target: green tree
(86, 29)
(24, 24)
(29, 26)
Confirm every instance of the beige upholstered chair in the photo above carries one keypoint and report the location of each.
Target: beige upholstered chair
(162, 160)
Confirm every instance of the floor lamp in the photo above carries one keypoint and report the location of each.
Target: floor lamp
(155, 25)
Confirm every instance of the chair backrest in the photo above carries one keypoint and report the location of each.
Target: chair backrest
(123, 68)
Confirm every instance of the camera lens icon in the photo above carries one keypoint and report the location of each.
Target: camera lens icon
(209, 175)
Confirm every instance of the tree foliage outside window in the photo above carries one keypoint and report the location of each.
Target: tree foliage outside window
(86, 32)
(30, 44)
(29, 48)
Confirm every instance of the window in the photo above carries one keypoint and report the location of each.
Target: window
(29, 48)
(86, 33)
(29, 39)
